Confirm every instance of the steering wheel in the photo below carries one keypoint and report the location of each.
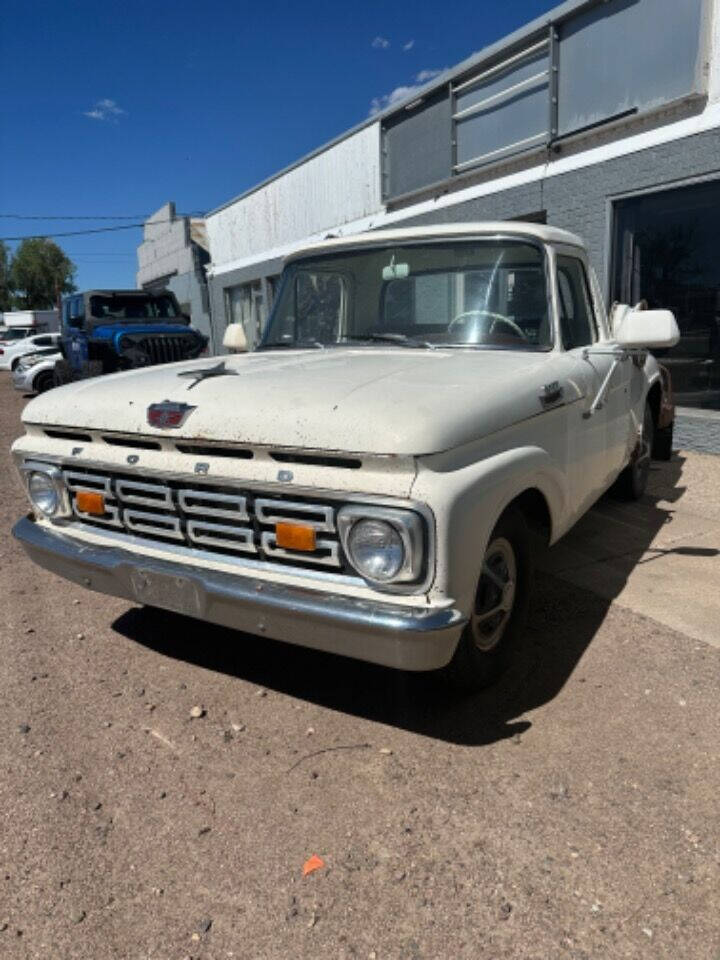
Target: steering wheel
(494, 318)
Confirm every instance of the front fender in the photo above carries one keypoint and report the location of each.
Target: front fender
(468, 501)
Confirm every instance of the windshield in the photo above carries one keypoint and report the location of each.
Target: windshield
(133, 308)
(488, 293)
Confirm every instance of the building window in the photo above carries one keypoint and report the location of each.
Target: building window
(581, 69)
(665, 252)
(250, 304)
(244, 304)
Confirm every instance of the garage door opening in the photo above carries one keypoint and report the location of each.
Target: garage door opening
(665, 251)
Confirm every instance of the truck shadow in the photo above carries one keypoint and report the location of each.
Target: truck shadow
(565, 617)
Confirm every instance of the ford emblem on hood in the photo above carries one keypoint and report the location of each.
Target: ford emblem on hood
(167, 414)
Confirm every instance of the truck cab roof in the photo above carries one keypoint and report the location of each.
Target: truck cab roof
(450, 231)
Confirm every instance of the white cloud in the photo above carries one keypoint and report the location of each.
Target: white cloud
(105, 110)
(378, 104)
(409, 45)
(426, 75)
(380, 43)
(390, 99)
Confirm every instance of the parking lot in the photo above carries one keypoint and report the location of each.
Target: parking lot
(571, 812)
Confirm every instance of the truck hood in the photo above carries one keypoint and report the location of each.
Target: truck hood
(361, 400)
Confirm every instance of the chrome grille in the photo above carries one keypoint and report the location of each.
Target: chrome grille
(211, 518)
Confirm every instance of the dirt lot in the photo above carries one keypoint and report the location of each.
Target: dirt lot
(571, 813)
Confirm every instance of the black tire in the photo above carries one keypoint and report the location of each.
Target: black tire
(44, 381)
(62, 373)
(663, 443)
(631, 483)
(14, 363)
(487, 646)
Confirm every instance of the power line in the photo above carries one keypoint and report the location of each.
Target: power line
(37, 216)
(80, 233)
(133, 216)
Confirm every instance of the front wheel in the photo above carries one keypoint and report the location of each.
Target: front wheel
(44, 381)
(500, 609)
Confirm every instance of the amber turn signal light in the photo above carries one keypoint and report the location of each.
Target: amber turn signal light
(295, 536)
(88, 502)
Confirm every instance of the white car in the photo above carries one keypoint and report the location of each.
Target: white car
(35, 372)
(425, 405)
(13, 334)
(12, 351)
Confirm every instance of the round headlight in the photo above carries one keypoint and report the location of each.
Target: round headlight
(43, 493)
(376, 549)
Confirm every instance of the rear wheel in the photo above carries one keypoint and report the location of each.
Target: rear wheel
(631, 483)
(500, 609)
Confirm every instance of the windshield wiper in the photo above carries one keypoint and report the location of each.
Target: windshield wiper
(292, 345)
(401, 339)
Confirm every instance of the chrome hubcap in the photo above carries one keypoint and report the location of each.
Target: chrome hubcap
(495, 595)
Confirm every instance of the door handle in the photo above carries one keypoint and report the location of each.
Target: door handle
(552, 393)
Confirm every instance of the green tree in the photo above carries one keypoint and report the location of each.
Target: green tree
(40, 270)
(5, 290)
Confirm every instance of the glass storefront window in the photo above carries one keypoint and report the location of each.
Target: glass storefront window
(665, 251)
(249, 304)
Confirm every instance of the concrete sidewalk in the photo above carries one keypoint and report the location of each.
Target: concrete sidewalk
(659, 557)
(697, 430)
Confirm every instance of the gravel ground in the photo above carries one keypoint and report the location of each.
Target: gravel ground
(570, 814)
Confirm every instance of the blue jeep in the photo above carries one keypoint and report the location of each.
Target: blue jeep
(108, 330)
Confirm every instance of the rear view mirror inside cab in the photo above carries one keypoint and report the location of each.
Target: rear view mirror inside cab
(396, 271)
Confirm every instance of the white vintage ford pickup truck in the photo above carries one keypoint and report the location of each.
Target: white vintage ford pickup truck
(426, 405)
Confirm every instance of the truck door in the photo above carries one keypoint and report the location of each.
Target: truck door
(592, 459)
(76, 348)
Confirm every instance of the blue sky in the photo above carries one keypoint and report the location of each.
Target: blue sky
(115, 108)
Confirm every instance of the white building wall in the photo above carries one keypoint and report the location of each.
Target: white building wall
(338, 186)
(165, 249)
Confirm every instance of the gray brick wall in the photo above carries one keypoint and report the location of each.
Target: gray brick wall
(578, 201)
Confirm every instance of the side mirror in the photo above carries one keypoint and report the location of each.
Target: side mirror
(234, 339)
(646, 329)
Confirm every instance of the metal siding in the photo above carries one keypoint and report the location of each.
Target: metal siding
(417, 146)
(627, 54)
(335, 187)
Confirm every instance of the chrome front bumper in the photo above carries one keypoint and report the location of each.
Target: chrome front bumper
(408, 638)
